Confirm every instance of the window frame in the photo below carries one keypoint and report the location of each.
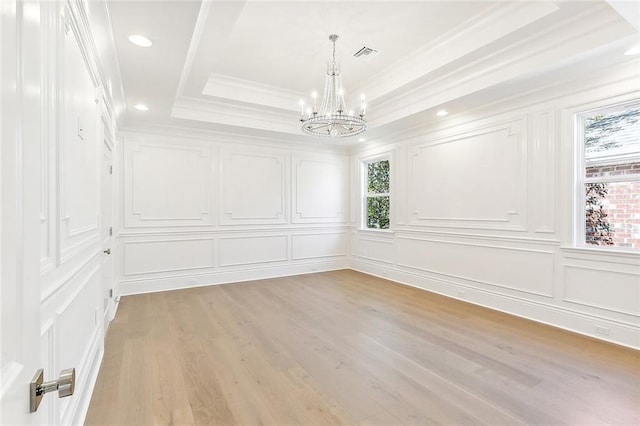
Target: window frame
(580, 178)
(365, 194)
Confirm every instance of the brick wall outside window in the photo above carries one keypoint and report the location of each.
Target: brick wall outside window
(621, 204)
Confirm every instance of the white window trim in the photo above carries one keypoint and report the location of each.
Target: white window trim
(580, 179)
(364, 176)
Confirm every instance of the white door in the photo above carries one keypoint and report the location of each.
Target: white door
(107, 232)
(20, 125)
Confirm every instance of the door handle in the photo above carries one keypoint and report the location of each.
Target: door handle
(65, 385)
(108, 251)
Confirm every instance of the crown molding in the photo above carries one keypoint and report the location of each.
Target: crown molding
(223, 86)
(541, 51)
(171, 132)
(234, 113)
(459, 41)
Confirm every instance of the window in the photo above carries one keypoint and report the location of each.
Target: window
(376, 199)
(609, 177)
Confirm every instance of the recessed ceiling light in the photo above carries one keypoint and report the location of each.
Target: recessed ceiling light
(635, 50)
(362, 140)
(442, 113)
(141, 107)
(140, 40)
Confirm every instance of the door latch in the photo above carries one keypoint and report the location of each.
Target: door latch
(65, 385)
(108, 251)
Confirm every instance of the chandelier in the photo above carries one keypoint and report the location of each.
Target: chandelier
(332, 119)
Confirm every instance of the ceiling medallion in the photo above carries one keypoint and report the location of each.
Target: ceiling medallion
(332, 119)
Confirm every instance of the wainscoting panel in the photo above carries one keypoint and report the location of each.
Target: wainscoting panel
(78, 318)
(472, 180)
(319, 189)
(247, 250)
(309, 246)
(167, 185)
(602, 288)
(79, 168)
(376, 249)
(253, 186)
(517, 269)
(543, 172)
(152, 256)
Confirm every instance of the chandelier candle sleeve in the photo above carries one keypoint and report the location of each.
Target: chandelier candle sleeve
(332, 119)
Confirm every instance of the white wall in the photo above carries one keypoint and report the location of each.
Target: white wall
(483, 211)
(223, 208)
(76, 124)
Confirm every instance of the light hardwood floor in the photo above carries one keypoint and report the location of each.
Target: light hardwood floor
(346, 348)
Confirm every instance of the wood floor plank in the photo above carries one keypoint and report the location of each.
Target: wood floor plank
(343, 347)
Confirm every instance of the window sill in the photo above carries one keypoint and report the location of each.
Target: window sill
(618, 254)
(374, 231)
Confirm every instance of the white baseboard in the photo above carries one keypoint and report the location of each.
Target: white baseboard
(620, 333)
(584, 323)
(151, 285)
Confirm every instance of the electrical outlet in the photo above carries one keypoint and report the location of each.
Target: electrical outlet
(602, 331)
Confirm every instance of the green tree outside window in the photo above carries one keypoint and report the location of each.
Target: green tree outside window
(377, 199)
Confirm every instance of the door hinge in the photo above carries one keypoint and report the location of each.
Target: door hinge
(110, 292)
(110, 170)
(111, 231)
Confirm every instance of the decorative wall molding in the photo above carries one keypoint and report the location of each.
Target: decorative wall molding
(319, 189)
(167, 255)
(51, 99)
(521, 270)
(71, 306)
(375, 249)
(168, 185)
(253, 249)
(253, 187)
(77, 324)
(318, 245)
(58, 285)
(78, 158)
(543, 171)
(584, 285)
(70, 253)
(489, 176)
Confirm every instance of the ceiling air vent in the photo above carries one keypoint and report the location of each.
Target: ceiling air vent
(366, 51)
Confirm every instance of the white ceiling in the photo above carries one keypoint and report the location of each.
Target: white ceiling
(242, 66)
